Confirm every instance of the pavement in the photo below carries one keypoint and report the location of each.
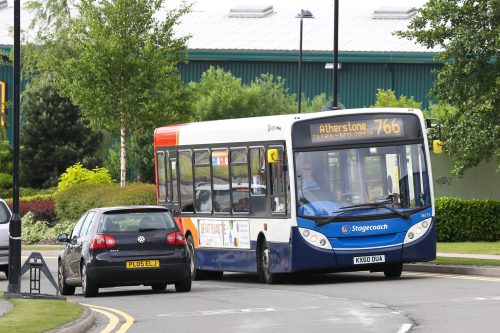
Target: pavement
(87, 319)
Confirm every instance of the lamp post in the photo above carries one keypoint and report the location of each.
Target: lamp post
(15, 221)
(335, 54)
(303, 14)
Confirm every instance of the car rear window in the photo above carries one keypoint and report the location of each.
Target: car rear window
(4, 213)
(137, 221)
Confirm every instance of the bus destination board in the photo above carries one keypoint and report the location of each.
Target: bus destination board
(333, 131)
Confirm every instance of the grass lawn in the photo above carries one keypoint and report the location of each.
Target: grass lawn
(465, 261)
(41, 247)
(470, 247)
(35, 315)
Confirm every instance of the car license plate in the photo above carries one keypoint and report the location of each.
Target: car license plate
(369, 259)
(142, 264)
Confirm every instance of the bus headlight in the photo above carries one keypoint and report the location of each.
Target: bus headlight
(315, 238)
(417, 230)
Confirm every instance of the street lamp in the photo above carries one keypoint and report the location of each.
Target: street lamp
(302, 15)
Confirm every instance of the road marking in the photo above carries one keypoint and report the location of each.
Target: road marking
(450, 276)
(129, 320)
(234, 311)
(405, 328)
(113, 320)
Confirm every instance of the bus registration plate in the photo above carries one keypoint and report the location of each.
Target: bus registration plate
(369, 259)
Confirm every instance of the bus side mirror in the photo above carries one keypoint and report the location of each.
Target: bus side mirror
(272, 156)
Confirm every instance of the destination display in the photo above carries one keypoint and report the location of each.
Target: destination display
(335, 131)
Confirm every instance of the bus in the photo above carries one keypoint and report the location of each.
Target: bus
(343, 190)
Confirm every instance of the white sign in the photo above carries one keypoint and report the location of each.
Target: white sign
(224, 233)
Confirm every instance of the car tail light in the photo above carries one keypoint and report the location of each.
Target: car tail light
(176, 238)
(103, 242)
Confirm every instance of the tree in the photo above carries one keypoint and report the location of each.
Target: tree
(220, 95)
(121, 68)
(467, 32)
(388, 99)
(53, 137)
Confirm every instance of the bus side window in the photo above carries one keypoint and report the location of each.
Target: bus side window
(239, 180)
(186, 180)
(173, 180)
(202, 181)
(258, 186)
(162, 186)
(220, 179)
(278, 183)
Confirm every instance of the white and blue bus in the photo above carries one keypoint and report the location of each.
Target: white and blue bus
(344, 190)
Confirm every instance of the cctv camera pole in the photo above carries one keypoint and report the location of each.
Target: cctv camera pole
(335, 54)
(15, 221)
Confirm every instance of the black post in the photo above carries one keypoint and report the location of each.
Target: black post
(335, 54)
(15, 221)
(299, 94)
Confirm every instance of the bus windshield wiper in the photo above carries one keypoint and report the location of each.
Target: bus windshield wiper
(365, 206)
(381, 204)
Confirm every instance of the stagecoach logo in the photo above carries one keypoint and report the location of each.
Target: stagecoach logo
(141, 239)
(346, 229)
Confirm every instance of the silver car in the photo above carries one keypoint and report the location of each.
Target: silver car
(4, 237)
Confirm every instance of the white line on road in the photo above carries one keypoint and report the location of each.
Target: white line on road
(405, 328)
(234, 311)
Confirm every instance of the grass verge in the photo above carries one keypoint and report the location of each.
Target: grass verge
(465, 261)
(41, 247)
(470, 247)
(37, 316)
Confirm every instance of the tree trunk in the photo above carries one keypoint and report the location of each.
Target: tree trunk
(123, 154)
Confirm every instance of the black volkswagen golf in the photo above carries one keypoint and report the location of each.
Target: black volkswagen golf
(124, 246)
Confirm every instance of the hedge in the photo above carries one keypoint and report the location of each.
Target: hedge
(460, 220)
(42, 207)
(73, 201)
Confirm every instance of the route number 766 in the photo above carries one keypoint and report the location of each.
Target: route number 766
(389, 127)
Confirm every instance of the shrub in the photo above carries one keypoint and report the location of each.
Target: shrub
(73, 201)
(387, 99)
(6, 181)
(42, 207)
(467, 220)
(77, 174)
(34, 230)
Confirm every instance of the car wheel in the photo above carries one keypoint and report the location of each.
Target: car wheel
(159, 286)
(263, 265)
(393, 271)
(64, 289)
(183, 285)
(89, 288)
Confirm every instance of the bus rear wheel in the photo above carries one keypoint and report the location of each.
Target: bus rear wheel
(263, 264)
(393, 271)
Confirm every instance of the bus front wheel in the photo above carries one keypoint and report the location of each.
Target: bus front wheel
(263, 264)
(393, 271)
(198, 274)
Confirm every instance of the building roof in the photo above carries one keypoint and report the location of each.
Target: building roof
(212, 28)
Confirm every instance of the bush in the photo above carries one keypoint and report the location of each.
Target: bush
(26, 192)
(42, 207)
(34, 230)
(77, 174)
(73, 201)
(6, 181)
(467, 220)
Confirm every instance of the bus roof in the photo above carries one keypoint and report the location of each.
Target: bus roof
(255, 129)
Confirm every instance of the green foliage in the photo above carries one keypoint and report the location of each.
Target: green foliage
(73, 201)
(77, 174)
(467, 220)
(388, 99)
(467, 31)
(5, 162)
(220, 95)
(124, 76)
(25, 192)
(54, 135)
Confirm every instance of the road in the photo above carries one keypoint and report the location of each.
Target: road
(341, 302)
